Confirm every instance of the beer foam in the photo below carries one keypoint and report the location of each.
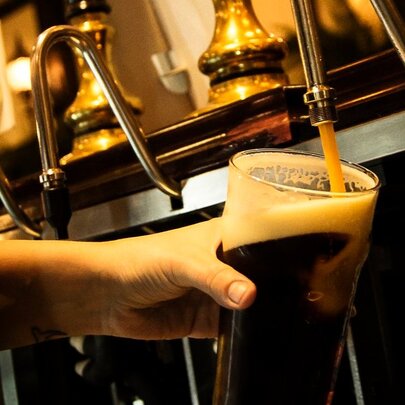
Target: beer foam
(344, 215)
(258, 209)
(351, 216)
(303, 171)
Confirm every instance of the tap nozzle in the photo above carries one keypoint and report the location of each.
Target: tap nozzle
(320, 100)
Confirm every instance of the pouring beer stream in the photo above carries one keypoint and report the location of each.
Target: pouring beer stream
(331, 152)
(319, 97)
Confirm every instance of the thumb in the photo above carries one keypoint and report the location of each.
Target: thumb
(224, 284)
(230, 288)
(201, 267)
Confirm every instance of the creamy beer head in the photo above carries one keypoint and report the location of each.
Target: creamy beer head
(279, 194)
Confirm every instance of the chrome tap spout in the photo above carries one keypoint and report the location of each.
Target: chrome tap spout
(319, 97)
(52, 174)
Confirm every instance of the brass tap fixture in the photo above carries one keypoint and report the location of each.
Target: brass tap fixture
(94, 125)
(242, 59)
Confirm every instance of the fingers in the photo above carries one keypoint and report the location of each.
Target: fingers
(81, 366)
(97, 367)
(77, 342)
(227, 286)
(224, 284)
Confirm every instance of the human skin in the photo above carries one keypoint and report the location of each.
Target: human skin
(161, 286)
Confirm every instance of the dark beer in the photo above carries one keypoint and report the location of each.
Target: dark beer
(301, 337)
(303, 247)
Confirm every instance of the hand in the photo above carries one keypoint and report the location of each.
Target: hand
(161, 286)
(168, 285)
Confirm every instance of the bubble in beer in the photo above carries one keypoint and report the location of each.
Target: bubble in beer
(314, 296)
(293, 177)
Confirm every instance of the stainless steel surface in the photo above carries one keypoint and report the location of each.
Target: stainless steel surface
(393, 24)
(319, 97)
(199, 192)
(188, 358)
(43, 110)
(21, 219)
(7, 379)
(366, 142)
(354, 367)
(307, 36)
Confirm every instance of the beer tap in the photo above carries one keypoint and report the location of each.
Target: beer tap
(55, 194)
(242, 58)
(93, 124)
(319, 97)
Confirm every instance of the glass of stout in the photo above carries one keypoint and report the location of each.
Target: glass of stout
(303, 246)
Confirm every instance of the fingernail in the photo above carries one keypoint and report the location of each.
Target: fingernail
(236, 291)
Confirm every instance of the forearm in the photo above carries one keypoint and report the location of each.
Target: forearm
(48, 290)
(159, 286)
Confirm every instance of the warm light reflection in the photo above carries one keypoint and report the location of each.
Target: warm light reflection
(240, 52)
(232, 30)
(97, 94)
(104, 142)
(19, 74)
(241, 90)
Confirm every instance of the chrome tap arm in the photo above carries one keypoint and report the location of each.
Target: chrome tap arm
(319, 97)
(52, 175)
(393, 24)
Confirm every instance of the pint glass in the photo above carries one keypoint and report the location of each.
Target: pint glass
(303, 246)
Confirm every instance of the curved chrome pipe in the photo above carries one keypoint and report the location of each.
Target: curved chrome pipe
(15, 211)
(393, 24)
(52, 175)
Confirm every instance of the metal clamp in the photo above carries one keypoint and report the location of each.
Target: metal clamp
(320, 101)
